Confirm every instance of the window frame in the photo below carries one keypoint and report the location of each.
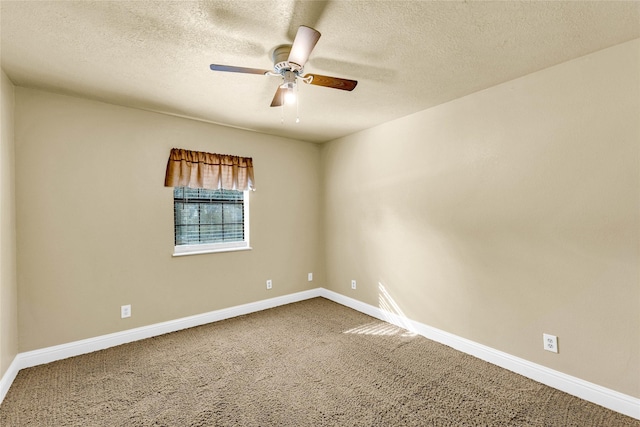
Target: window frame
(208, 248)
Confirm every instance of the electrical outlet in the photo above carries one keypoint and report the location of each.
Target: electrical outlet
(310, 277)
(269, 284)
(353, 284)
(125, 311)
(550, 342)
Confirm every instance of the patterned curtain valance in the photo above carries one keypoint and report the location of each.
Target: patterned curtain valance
(196, 169)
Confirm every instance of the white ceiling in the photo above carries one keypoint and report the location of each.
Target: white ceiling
(406, 56)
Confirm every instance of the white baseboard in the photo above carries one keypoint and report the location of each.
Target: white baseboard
(594, 393)
(8, 377)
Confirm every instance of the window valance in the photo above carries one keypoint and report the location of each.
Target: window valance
(196, 169)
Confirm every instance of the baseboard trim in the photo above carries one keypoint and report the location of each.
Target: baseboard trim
(594, 393)
(591, 392)
(8, 377)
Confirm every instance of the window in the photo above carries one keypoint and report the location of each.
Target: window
(210, 201)
(210, 220)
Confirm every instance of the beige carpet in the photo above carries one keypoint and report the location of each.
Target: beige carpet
(313, 363)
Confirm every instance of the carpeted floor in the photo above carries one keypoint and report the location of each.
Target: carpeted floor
(312, 363)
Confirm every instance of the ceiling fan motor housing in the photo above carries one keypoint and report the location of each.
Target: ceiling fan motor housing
(281, 62)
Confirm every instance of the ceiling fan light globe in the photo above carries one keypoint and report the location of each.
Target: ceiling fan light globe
(290, 96)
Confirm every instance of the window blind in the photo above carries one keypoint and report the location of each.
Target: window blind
(203, 216)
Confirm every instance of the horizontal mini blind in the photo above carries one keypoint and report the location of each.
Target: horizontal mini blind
(204, 216)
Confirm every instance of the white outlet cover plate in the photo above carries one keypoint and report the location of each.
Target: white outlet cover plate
(125, 311)
(550, 342)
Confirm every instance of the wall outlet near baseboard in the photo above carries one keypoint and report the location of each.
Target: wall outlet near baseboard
(310, 277)
(550, 342)
(353, 284)
(125, 311)
(269, 284)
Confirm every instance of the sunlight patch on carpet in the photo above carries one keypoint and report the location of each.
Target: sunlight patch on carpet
(379, 328)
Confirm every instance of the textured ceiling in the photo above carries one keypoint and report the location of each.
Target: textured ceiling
(406, 56)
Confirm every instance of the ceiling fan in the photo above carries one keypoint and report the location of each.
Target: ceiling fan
(288, 63)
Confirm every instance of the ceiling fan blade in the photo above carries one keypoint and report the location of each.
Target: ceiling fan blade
(303, 44)
(216, 67)
(278, 98)
(334, 82)
(305, 12)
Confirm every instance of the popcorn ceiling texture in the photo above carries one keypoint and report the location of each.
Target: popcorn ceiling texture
(407, 56)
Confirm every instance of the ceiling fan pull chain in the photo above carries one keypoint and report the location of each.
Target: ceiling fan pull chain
(297, 105)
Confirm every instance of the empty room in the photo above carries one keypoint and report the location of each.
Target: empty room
(320, 213)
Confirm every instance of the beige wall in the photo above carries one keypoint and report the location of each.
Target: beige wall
(8, 284)
(504, 215)
(497, 217)
(95, 223)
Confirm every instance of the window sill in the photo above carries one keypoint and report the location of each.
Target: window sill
(212, 251)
